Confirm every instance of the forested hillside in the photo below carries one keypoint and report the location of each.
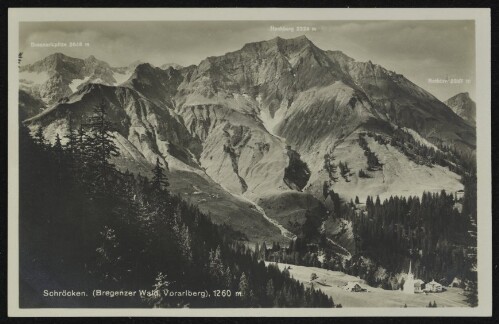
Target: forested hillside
(436, 232)
(84, 225)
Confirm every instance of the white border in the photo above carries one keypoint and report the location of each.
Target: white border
(484, 184)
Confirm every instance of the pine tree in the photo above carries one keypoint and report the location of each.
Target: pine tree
(159, 179)
(216, 266)
(81, 138)
(71, 144)
(100, 145)
(228, 278)
(185, 243)
(39, 138)
(57, 144)
(157, 299)
(108, 257)
(263, 250)
(244, 287)
(270, 290)
(357, 200)
(57, 151)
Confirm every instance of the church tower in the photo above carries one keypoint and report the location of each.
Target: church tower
(409, 282)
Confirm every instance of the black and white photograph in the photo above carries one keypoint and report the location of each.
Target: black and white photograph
(217, 164)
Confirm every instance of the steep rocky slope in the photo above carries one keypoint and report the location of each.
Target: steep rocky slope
(463, 106)
(271, 123)
(57, 76)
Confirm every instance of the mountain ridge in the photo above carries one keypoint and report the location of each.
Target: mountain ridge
(273, 118)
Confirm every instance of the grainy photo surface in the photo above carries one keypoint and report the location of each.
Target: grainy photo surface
(208, 164)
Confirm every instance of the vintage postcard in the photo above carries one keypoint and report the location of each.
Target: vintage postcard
(205, 162)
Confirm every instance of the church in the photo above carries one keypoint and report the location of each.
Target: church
(411, 285)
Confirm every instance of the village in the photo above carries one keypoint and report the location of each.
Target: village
(411, 285)
(350, 291)
(414, 286)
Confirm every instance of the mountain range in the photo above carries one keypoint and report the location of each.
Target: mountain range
(258, 138)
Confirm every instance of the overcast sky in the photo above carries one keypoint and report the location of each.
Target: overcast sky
(420, 50)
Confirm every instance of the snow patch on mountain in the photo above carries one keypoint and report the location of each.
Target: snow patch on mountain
(122, 77)
(75, 83)
(271, 122)
(98, 81)
(268, 121)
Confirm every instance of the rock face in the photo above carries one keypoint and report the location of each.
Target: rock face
(463, 106)
(270, 121)
(29, 106)
(58, 76)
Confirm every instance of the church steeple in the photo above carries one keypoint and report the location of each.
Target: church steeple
(409, 281)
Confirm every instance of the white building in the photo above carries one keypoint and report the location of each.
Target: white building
(456, 282)
(433, 286)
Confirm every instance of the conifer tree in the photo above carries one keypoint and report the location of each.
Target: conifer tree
(228, 278)
(71, 144)
(244, 287)
(100, 145)
(216, 266)
(57, 144)
(159, 179)
(270, 290)
(158, 300)
(57, 152)
(185, 243)
(108, 257)
(39, 138)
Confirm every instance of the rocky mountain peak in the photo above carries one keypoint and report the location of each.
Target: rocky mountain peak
(171, 65)
(143, 67)
(52, 63)
(463, 106)
(299, 41)
(279, 44)
(134, 64)
(54, 56)
(463, 96)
